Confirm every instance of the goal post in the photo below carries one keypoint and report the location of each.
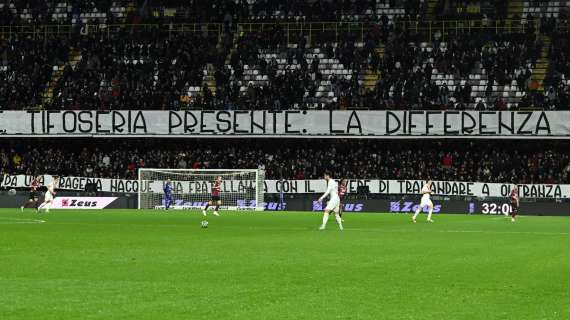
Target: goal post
(240, 189)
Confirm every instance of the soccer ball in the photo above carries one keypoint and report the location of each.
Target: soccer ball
(12, 192)
(204, 224)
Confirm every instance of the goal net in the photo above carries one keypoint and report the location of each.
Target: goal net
(192, 188)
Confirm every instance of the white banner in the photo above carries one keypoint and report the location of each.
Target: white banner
(364, 124)
(451, 188)
(82, 202)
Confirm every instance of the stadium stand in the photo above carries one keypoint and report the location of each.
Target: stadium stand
(82, 12)
(146, 74)
(62, 11)
(26, 66)
(250, 56)
(532, 162)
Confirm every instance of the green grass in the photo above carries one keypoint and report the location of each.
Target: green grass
(126, 264)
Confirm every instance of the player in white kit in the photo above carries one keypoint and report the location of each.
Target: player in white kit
(49, 195)
(334, 202)
(426, 201)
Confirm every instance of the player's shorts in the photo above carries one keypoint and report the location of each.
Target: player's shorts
(215, 198)
(48, 196)
(34, 195)
(333, 205)
(425, 201)
(514, 208)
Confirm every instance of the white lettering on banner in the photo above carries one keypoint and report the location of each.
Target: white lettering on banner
(411, 187)
(292, 123)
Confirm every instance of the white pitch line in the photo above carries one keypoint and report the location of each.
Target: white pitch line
(508, 232)
(20, 221)
(461, 231)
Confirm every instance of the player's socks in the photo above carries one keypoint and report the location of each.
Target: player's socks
(339, 221)
(204, 212)
(429, 215)
(416, 215)
(216, 211)
(325, 220)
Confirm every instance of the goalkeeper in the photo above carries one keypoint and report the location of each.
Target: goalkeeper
(167, 194)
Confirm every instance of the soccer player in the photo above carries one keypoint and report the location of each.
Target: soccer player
(167, 194)
(341, 194)
(215, 197)
(50, 194)
(426, 190)
(334, 202)
(514, 203)
(34, 197)
(281, 196)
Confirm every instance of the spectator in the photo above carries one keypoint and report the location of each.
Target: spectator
(497, 161)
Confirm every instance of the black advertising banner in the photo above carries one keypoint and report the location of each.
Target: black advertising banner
(350, 206)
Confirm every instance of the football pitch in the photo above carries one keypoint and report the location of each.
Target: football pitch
(129, 264)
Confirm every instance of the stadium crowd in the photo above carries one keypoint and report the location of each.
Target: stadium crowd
(532, 162)
(41, 11)
(147, 73)
(125, 71)
(30, 64)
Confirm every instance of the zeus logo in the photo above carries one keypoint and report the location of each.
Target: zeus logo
(408, 207)
(348, 207)
(181, 202)
(353, 207)
(317, 206)
(75, 203)
(396, 206)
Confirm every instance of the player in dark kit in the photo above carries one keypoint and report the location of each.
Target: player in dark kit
(341, 194)
(216, 200)
(514, 203)
(34, 195)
